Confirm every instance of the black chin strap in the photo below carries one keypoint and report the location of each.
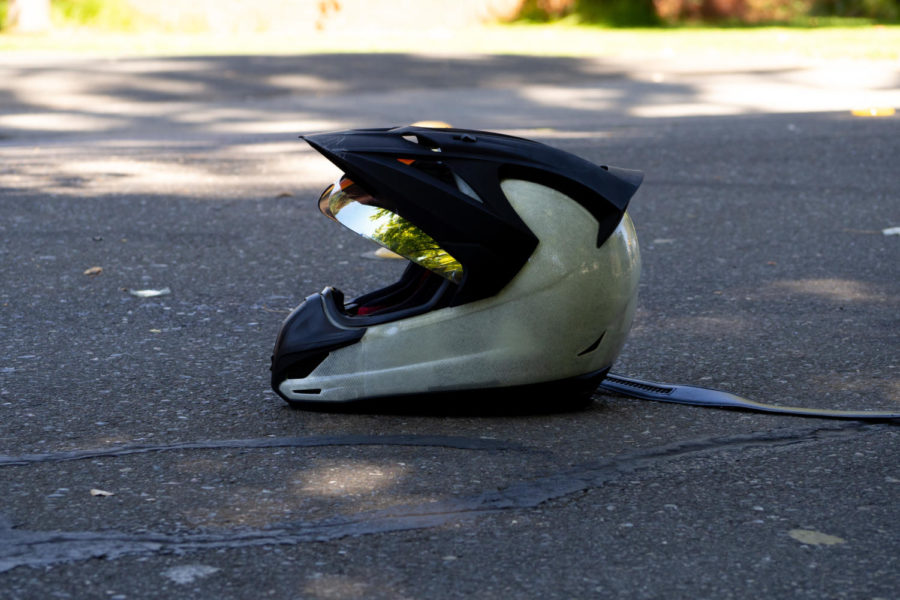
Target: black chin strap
(697, 396)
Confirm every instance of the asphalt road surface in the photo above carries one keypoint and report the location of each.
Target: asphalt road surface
(767, 272)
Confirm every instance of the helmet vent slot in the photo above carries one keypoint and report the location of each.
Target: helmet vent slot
(654, 389)
(309, 391)
(593, 346)
(423, 141)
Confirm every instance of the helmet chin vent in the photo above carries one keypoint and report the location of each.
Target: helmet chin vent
(309, 391)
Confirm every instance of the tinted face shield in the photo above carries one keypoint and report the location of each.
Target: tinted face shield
(351, 206)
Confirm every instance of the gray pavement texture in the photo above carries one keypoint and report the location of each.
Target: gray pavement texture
(766, 273)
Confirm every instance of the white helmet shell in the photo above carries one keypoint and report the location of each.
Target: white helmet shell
(564, 316)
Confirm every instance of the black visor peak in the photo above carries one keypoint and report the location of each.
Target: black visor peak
(446, 184)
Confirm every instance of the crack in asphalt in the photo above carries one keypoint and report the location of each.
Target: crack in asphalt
(44, 548)
(437, 441)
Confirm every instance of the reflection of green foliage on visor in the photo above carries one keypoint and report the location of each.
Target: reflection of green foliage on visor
(356, 209)
(396, 233)
(337, 199)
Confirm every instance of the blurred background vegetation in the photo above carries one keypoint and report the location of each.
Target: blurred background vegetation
(262, 15)
(644, 13)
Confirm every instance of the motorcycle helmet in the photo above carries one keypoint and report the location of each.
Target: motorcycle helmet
(522, 270)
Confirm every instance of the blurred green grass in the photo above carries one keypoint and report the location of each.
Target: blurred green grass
(106, 15)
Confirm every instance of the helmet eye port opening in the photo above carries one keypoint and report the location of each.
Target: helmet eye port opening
(350, 205)
(418, 290)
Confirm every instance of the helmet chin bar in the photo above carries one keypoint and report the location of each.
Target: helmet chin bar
(323, 323)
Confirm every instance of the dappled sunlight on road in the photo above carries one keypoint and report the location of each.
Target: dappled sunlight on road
(341, 479)
(679, 109)
(880, 389)
(576, 98)
(716, 327)
(829, 289)
(60, 121)
(179, 98)
(842, 87)
(682, 92)
(334, 586)
(204, 98)
(257, 168)
(299, 80)
(104, 89)
(312, 488)
(285, 127)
